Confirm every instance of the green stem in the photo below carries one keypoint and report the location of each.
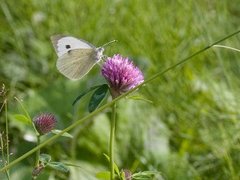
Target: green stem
(7, 138)
(28, 116)
(38, 151)
(112, 138)
(100, 109)
(34, 176)
(3, 156)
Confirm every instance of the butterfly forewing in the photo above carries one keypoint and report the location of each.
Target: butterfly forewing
(76, 63)
(54, 40)
(63, 44)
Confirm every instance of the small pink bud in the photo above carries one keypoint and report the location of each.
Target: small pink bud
(128, 174)
(37, 170)
(44, 122)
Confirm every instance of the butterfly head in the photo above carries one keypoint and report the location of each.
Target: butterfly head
(100, 53)
(101, 49)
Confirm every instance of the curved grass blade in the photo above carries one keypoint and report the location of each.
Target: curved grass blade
(227, 47)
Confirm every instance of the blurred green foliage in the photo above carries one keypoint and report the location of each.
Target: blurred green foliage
(190, 131)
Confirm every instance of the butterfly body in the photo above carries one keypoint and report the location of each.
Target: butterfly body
(76, 57)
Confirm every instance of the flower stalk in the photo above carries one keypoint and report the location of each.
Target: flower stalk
(43, 124)
(7, 138)
(38, 151)
(122, 76)
(112, 138)
(4, 105)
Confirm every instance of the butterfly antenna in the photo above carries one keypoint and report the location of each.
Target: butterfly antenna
(113, 41)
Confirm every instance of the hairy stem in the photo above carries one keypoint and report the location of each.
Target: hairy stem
(112, 138)
(2, 153)
(7, 139)
(5, 160)
(38, 151)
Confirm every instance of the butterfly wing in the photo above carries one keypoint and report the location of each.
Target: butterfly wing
(75, 56)
(77, 63)
(63, 44)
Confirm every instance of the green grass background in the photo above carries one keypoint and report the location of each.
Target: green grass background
(191, 129)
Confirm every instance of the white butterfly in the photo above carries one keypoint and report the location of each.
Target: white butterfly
(76, 57)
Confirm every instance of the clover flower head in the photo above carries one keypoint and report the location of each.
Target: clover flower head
(45, 122)
(121, 74)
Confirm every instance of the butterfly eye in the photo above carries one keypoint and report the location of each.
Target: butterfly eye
(68, 46)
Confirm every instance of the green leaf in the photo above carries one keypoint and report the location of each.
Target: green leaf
(104, 175)
(97, 97)
(144, 175)
(115, 165)
(24, 109)
(22, 118)
(73, 165)
(45, 158)
(140, 98)
(84, 93)
(58, 166)
(57, 131)
(122, 176)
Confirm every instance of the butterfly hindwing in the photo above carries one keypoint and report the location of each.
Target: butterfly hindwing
(76, 63)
